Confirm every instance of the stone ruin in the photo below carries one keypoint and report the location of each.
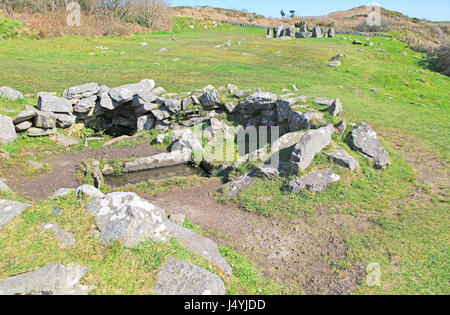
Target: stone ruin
(303, 32)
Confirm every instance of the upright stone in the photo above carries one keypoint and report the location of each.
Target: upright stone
(317, 32)
(365, 139)
(7, 130)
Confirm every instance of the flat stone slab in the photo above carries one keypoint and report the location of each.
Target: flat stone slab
(9, 210)
(201, 246)
(125, 217)
(178, 277)
(54, 279)
(174, 158)
(341, 157)
(233, 188)
(314, 181)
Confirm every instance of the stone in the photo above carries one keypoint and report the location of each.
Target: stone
(38, 132)
(64, 238)
(331, 32)
(3, 186)
(178, 218)
(365, 140)
(85, 105)
(178, 277)
(81, 91)
(7, 130)
(161, 114)
(286, 141)
(336, 108)
(116, 140)
(255, 103)
(314, 181)
(89, 191)
(200, 245)
(10, 93)
(35, 165)
(54, 104)
(268, 171)
(173, 158)
(64, 121)
(57, 211)
(9, 210)
(161, 126)
(310, 144)
(231, 88)
(210, 99)
(45, 120)
(241, 93)
(339, 56)
(323, 101)
(125, 93)
(54, 279)
(146, 108)
(317, 32)
(122, 216)
(145, 122)
(303, 35)
(24, 116)
(185, 139)
(341, 157)
(142, 99)
(158, 91)
(63, 192)
(233, 188)
(229, 107)
(334, 63)
(357, 42)
(173, 105)
(23, 126)
(64, 141)
(340, 128)
(160, 138)
(108, 170)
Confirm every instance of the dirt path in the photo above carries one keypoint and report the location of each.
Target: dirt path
(63, 170)
(294, 253)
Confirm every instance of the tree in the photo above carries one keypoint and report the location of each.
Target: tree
(292, 12)
(282, 13)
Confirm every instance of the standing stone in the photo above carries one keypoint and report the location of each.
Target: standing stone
(81, 91)
(336, 108)
(126, 217)
(10, 93)
(317, 32)
(340, 128)
(341, 157)
(9, 210)
(210, 99)
(178, 277)
(304, 28)
(269, 33)
(53, 279)
(54, 104)
(331, 32)
(314, 182)
(311, 143)
(365, 140)
(7, 130)
(279, 31)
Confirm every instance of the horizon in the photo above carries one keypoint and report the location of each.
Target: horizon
(433, 10)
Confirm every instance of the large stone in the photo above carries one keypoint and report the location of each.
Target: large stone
(323, 101)
(286, 141)
(210, 99)
(64, 121)
(317, 32)
(64, 141)
(54, 104)
(256, 103)
(177, 157)
(144, 99)
(342, 158)
(9, 210)
(331, 32)
(38, 132)
(178, 277)
(314, 181)
(200, 245)
(89, 191)
(365, 140)
(268, 172)
(85, 105)
(310, 144)
(81, 91)
(173, 105)
(340, 128)
(145, 122)
(45, 120)
(126, 93)
(24, 126)
(10, 93)
(54, 279)
(233, 188)
(185, 139)
(336, 108)
(7, 130)
(24, 116)
(334, 63)
(161, 114)
(125, 217)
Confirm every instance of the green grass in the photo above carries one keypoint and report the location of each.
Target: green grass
(409, 239)
(12, 29)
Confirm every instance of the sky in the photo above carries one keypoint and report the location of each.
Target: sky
(435, 10)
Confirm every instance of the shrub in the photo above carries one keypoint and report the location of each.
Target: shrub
(442, 55)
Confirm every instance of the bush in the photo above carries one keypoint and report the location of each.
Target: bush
(442, 55)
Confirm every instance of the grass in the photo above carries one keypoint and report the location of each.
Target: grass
(409, 237)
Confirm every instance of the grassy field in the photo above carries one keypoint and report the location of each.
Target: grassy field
(411, 108)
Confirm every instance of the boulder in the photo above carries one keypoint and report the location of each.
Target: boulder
(317, 32)
(89, 191)
(303, 35)
(54, 104)
(323, 101)
(161, 114)
(45, 120)
(310, 144)
(336, 108)
(200, 245)
(341, 157)
(64, 121)
(256, 103)
(38, 132)
(125, 217)
(233, 188)
(23, 126)
(314, 181)
(81, 91)
(178, 277)
(54, 279)
(10, 93)
(268, 171)
(125, 93)
(146, 108)
(7, 130)
(365, 140)
(173, 105)
(162, 126)
(9, 210)
(144, 99)
(24, 116)
(64, 141)
(210, 99)
(145, 122)
(184, 139)
(177, 157)
(85, 105)
(340, 128)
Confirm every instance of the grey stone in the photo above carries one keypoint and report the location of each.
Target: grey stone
(210, 99)
(256, 103)
(334, 63)
(357, 42)
(57, 211)
(331, 32)
(9, 210)
(178, 277)
(314, 181)
(24, 116)
(38, 132)
(10, 93)
(310, 144)
(146, 108)
(158, 91)
(160, 138)
(317, 32)
(54, 104)
(144, 99)
(177, 157)
(54, 279)
(64, 238)
(286, 141)
(64, 141)
(365, 140)
(64, 121)
(125, 217)
(45, 120)
(161, 114)
(161, 126)
(233, 188)
(268, 171)
(125, 93)
(340, 128)
(35, 165)
(145, 122)
(241, 93)
(200, 245)
(185, 139)
(90, 191)
(81, 91)
(336, 108)
(85, 105)
(3, 186)
(303, 35)
(323, 101)
(24, 126)
(7, 130)
(339, 56)
(342, 158)
(173, 105)
(178, 218)
(231, 88)
(229, 107)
